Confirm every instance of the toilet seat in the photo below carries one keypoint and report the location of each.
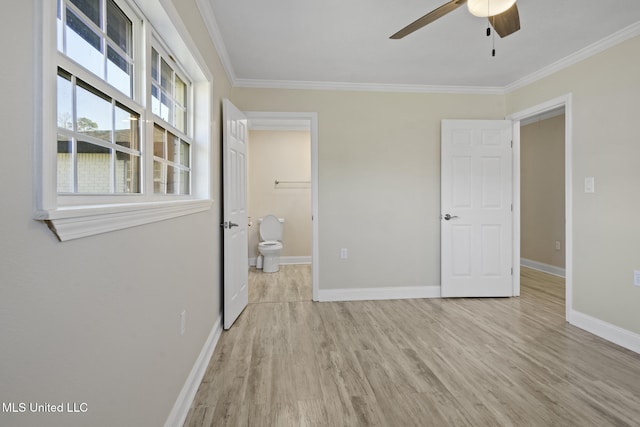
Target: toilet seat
(270, 244)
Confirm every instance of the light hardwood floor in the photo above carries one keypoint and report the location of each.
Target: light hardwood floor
(291, 283)
(421, 362)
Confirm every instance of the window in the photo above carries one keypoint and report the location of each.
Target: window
(171, 145)
(98, 35)
(98, 140)
(119, 134)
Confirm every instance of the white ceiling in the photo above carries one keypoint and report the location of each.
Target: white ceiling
(334, 43)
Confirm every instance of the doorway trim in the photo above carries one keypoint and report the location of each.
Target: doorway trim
(289, 120)
(555, 103)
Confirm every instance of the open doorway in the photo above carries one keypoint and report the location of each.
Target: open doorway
(536, 237)
(542, 192)
(282, 177)
(542, 198)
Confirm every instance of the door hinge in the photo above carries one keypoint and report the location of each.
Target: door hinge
(512, 271)
(511, 207)
(512, 143)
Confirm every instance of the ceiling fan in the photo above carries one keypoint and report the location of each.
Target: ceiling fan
(503, 16)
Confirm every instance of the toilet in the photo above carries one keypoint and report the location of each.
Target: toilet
(271, 242)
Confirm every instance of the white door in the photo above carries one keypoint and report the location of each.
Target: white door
(234, 189)
(476, 208)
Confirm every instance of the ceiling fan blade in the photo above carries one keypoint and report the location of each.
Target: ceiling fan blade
(428, 18)
(508, 22)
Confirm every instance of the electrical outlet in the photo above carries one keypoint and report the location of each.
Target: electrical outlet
(558, 245)
(636, 278)
(183, 322)
(589, 184)
(344, 253)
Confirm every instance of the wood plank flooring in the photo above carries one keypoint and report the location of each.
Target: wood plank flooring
(421, 362)
(291, 283)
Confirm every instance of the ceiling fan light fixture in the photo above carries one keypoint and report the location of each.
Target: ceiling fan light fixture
(484, 8)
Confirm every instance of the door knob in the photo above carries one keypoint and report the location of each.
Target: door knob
(447, 217)
(228, 224)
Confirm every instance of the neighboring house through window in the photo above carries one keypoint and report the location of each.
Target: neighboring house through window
(122, 107)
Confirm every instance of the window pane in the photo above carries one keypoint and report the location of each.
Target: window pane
(184, 154)
(166, 80)
(118, 27)
(159, 180)
(181, 91)
(155, 100)
(166, 108)
(158, 141)
(184, 182)
(118, 71)
(181, 122)
(65, 101)
(173, 180)
(127, 173)
(59, 28)
(181, 100)
(127, 129)
(154, 64)
(83, 45)
(94, 168)
(94, 114)
(173, 145)
(91, 8)
(65, 164)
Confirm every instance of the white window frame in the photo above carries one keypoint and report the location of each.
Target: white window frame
(75, 216)
(167, 126)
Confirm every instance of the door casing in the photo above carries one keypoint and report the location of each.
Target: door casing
(310, 118)
(566, 102)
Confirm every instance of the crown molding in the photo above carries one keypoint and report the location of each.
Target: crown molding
(367, 87)
(214, 32)
(584, 53)
(625, 34)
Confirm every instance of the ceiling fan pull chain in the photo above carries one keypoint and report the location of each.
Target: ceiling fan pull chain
(493, 50)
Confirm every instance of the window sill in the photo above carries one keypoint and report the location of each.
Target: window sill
(75, 222)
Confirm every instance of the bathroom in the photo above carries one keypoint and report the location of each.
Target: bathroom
(279, 184)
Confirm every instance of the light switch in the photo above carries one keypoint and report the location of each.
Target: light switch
(589, 184)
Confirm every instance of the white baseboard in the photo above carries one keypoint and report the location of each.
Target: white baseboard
(365, 294)
(286, 260)
(541, 266)
(615, 334)
(183, 403)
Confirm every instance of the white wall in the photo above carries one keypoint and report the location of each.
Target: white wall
(606, 90)
(96, 320)
(286, 156)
